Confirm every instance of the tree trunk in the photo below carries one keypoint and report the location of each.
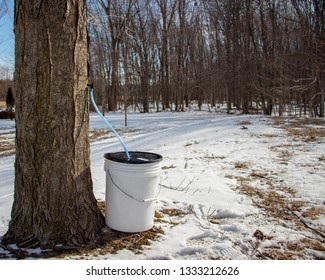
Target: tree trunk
(322, 98)
(54, 201)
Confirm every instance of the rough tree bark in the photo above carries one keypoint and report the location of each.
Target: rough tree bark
(54, 201)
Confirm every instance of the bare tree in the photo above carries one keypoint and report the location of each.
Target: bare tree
(167, 9)
(252, 54)
(311, 16)
(142, 44)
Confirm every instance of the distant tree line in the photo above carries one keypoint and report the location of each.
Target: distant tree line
(250, 55)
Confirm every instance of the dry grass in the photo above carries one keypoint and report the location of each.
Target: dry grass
(302, 129)
(165, 167)
(100, 133)
(277, 254)
(4, 148)
(313, 212)
(278, 121)
(283, 152)
(173, 212)
(7, 144)
(306, 134)
(268, 135)
(7, 154)
(297, 122)
(114, 241)
(3, 104)
(241, 165)
(291, 250)
(191, 143)
(302, 122)
(281, 208)
(229, 176)
(244, 123)
(213, 157)
(279, 203)
(160, 216)
(110, 241)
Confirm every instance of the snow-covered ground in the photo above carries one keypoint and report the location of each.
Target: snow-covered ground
(231, 186)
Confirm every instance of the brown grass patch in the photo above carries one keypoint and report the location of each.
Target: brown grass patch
(258, 175)
(168, 167)
(7, 154)
(191, 143)
(241, 165)
(269, 135)
(208, 157)
(7, 145)
(287, 190)
(304, 129)
(244, 123)
(278, 121)
(173, 212)
(297, 122)
(285, 155)
(110, 242)
(106, 133)
(289, 250)
(306, 134)
(114, 241)
(283, 152)
(313, 244)
(302, 122)
(4, 148)
(94, 134)
(297, 205)
(276, 254)
(313, 212)
(250, 191)
(278, 201)
(243, 180)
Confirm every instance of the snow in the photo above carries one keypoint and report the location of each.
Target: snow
(209, 160)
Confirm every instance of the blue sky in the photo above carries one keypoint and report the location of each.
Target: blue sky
(7, 39)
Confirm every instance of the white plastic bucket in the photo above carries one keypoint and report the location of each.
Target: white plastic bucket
(131, 190)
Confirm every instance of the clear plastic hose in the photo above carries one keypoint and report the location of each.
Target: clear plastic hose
(108, 124)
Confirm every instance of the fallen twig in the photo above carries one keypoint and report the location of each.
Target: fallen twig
(305, 223)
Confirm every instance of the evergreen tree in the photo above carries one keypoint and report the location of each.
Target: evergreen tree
(10, 100)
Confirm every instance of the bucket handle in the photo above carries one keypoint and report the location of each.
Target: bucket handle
(130, 196)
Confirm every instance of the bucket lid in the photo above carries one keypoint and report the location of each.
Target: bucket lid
(136, 157)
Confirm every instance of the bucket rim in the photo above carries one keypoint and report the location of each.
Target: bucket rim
(137, 157)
